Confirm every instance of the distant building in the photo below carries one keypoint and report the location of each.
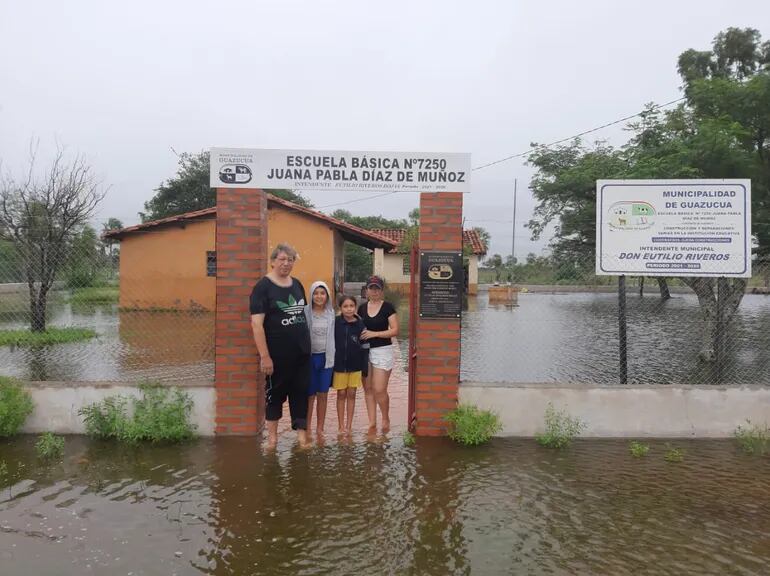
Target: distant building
(171, 263)
(394, 264)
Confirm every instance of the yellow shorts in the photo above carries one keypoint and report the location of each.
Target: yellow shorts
(344, 380)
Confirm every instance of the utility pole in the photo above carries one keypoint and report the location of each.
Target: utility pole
(513, 235)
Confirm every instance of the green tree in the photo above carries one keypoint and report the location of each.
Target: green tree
(189, 190)
(87, 263)
(721, 131)
(495, 262)
(358, 260)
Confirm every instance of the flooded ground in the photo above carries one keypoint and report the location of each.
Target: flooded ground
(570, 338)
(573, 338)
(377, 507)
(130, 346)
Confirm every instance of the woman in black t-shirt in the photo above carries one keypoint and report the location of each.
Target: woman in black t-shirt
(282, 337)
(381, 324)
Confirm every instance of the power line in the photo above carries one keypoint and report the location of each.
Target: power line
(520, 154)
(607, 125)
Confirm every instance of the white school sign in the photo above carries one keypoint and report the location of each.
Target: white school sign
(340, 170)
(673, 228)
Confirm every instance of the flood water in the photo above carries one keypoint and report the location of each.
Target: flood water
(377, 507)
(567, 337)
(130, 346)
(573, 338)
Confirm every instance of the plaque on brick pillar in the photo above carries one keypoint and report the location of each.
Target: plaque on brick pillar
(441, 284)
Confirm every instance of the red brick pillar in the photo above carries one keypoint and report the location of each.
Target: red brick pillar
(241, 245)
(437, 376)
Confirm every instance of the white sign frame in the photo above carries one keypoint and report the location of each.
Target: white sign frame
(673, 228)
(340, 170)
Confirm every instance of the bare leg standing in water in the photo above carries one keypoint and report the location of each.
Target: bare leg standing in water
(369, 399)
(381, 323)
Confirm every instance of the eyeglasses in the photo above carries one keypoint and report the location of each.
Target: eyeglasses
(284, 259)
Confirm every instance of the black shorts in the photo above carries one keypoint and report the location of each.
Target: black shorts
(290, 379)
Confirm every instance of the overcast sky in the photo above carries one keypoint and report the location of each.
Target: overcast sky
(127, 84)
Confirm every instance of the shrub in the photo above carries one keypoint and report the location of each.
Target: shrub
(471, 425)
(408, 438)
(560, 428)
(106, 419)
(638, 449)
(159, 414)
(673, 454)
(49, 446)
(753, 438)
(15, 406)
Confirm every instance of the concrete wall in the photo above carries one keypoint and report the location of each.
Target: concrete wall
(624, 411)
(57, 404)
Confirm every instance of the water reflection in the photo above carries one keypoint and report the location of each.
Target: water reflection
(574, 338)
(226, 507)
(131, 346)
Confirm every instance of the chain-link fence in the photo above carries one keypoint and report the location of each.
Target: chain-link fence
(66, 315)
(559, 323)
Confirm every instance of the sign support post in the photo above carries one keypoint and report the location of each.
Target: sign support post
(622, 343)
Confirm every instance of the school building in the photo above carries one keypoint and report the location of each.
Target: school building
(171, 263)
(393, 264)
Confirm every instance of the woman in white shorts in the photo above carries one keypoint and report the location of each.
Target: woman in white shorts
(381, 324)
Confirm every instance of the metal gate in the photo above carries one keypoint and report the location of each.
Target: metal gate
(414, 267)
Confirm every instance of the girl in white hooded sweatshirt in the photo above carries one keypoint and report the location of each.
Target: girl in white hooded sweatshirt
(320, 320)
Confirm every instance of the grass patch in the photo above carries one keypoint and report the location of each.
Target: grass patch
(49, 446)
(753, 438)
(102, 295)
(638, 449)
(50, 336)
(560, 428)
(673, 454)
(471, 425)
(408, 438)
(15, 406)
(159, 414)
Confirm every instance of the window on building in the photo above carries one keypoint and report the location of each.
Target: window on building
(211, 263)
(406, 265)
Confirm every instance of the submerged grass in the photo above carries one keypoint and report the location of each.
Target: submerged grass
(49, 446)
(753, 438)
(638, 449)
(673, 454)
(102, 295)
(52, 335)
(560, 428)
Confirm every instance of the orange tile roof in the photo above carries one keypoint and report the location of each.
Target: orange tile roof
(367, 238)
(396, 235)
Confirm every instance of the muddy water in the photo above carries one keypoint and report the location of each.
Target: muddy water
(376, 507)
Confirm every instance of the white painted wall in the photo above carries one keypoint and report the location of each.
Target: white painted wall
(393, 269)
(57, 404)
(473, 269)
(625, 411)
(379, 262)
